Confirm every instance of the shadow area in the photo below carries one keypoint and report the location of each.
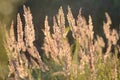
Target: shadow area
(97, 9)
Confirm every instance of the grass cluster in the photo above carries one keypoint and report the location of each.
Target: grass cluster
(84, 56)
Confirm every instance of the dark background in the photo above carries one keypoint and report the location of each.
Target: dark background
(95, 8)
(41, 8)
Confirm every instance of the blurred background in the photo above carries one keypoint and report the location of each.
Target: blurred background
(95, 8)
(41, 8)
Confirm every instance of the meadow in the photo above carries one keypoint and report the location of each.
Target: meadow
(72, 52)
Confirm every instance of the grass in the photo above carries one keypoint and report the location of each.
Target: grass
(86, 58)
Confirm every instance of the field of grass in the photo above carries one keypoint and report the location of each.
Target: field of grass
(71, 52)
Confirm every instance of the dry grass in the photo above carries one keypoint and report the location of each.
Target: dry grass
(87, 58)
(23, 55)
